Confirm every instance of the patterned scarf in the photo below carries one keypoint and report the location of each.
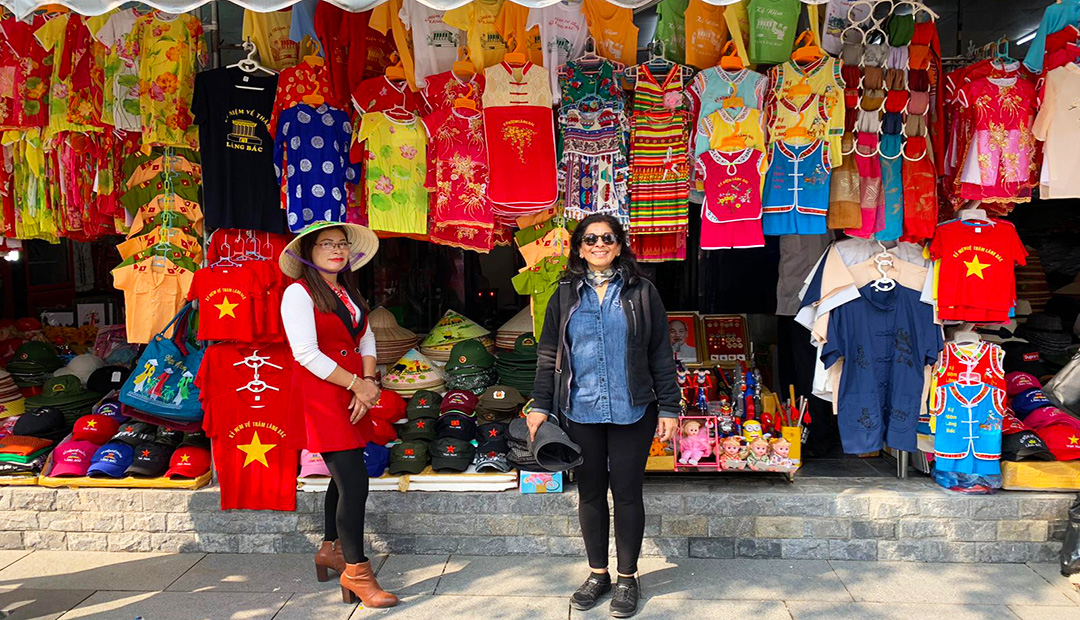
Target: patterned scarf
(596, 279)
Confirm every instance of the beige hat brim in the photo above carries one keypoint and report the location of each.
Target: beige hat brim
(362, 243)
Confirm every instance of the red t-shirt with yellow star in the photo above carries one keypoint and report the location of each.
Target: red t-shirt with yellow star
(226, 298)
(255, 436)
(977, 270)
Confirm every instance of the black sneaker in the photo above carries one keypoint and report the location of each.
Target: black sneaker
(625, 602)
(591, 591)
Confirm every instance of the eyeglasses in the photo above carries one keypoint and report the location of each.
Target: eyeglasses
(607, 238)
(328, 246)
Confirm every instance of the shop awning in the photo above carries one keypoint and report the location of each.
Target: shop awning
(97, 7)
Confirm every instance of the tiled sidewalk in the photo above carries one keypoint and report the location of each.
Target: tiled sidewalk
(124, 586)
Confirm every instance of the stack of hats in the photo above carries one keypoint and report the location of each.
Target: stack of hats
(312, 465)
(1046, 332)
(11, 399)
(81, 366)
(391, 340)
(388, 411)
(517, 368)
(492, 450)
(67, 394)
(33, 362)
(411, 456)
(515, 327)
(499, 403)
(450, 330)
(1058, 430)
(413, 372)
(133, 449)
(1020, 443)
(471, 367)
(453, 450)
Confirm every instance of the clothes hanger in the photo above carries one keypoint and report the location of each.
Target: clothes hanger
(882, 260)
(250, 65)
(972, 213)
(517, 57)
(396, 71)
(463, 67)
(467, 102)
(314, 60)
(967, 335)
(730, 59)
(590, 62)
(806, 49)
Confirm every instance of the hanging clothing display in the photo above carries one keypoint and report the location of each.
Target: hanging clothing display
(513, 23)
(999, 163)
(563, 31)
(1056, 125)
(435, 43)
(457, 177)
(671, 28)
(731, 211)
(270, 33)
(968, 435)
(976, 279)
(772, 29)
(444, 88)
(395, 168)
(613, 28)
(76, 96)
(796, 195)
(477, 19)
(297, 82)
(706, 32)
(24, 100)
(121, 104)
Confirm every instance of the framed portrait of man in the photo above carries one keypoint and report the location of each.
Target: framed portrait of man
(684, 329)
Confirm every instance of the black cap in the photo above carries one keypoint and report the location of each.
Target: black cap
(451, 454)
(419, 429)
(423, 404)
(135, 433)
(151, 459)
(1024, 446)
(409, 457)
(492, 438)
(105, 380)
(1024, 357)
(456, 426)
(43, 423)
(169, 437)
(197, 439)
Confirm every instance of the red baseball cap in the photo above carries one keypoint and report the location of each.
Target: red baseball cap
(381, 432)
(459, 401)
(72, 458)
(1049, 416)
(1011, 424)
(96, 428)
(1017, 382)
(1063, 441)
(189, 462)
(390, 408)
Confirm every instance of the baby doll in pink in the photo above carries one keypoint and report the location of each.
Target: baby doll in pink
(694, 444)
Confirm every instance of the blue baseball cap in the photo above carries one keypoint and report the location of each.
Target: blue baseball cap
(1028, 401)
(111, 460)
(376, 458)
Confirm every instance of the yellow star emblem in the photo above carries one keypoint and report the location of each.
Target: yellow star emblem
(256, 450)
(1074, 440)
(91, 424)
(184, 458)
(226, 308)
(974, 267)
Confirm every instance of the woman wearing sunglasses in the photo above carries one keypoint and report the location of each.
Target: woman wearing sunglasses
(607, 373)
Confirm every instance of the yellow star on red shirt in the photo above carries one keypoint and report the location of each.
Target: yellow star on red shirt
(226, 308)
(974, 267)
(256, 450)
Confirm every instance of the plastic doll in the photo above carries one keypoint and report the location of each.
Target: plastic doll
(731, 453)
(758, 459)
(694, 443)
(780, 448)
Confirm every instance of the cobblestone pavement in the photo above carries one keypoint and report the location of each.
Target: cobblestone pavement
(125, 586)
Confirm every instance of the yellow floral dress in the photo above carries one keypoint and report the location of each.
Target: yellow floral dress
(77, 75)
(394, 172)
(167, 49)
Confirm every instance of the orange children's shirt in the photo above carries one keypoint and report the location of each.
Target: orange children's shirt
(613, 29)
(154, 291)
(706, 33)
(387, 17)
(511, 22)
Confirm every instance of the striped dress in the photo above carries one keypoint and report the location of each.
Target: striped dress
(659, 167)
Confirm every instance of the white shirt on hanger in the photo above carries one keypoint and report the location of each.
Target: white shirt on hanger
(563, 31)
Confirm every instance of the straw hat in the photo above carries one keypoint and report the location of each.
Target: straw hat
(451, 329)
(413, 372)
(521, 323)
(363, 246)
(386, 327)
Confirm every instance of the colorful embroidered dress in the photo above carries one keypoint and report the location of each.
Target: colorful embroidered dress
(1001, 156)
(25, 72)
(394, 173)
(731, 211)
(458, 180)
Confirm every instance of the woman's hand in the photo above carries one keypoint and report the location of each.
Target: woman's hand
(533, 421)
(357, 409)
(667, 427)
(367, 392)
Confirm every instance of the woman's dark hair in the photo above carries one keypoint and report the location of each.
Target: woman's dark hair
(325, 299)
(625, 263)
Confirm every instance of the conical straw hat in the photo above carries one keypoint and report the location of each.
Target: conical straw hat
(452, 329)
(413, 371)
(386, 327)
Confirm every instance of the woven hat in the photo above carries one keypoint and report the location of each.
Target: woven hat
(363, 246)
(391, 340)
(509, 332)
(451, 329)
(413, 372)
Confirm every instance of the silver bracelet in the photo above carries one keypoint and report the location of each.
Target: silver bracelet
(352, 383)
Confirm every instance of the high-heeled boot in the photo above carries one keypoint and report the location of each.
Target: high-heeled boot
(329, 556)
(358, 580)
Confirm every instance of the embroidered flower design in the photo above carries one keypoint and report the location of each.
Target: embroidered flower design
(60, 90)
(408, 151)
(384, 185)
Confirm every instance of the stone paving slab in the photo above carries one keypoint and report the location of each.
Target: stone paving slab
(810, 610)
(1052, 573)
(512, 576)
(7, 558)
(247, 572)
(28, 604)
(975, 584)
(754, 580)
(316, 606)
(406, 575)
(1026, 612)
(444, 607)
(106, 605)
(666, 609)
(90, 570)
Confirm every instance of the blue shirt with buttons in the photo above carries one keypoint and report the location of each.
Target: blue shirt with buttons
(599, 387)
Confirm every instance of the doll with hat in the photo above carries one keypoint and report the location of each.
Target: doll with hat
(694, 442)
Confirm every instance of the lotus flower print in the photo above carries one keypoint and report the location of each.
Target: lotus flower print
(384, 185)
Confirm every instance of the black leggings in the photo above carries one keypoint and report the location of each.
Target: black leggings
(346, 501)
(615, 456)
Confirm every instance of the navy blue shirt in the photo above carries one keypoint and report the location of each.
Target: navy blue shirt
(599, 387)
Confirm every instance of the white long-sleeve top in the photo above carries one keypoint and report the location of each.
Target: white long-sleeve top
(298, 316)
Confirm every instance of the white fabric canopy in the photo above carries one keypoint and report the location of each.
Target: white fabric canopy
(97, 7)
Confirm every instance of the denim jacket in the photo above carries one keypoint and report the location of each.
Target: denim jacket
(599, 387)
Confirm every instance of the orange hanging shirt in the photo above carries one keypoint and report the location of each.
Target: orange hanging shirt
(706, 33)
(614, 30)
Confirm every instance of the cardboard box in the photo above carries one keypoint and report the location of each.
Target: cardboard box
(541, 482)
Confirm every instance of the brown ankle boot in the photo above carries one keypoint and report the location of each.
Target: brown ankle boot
(359, 580)
(329, 556)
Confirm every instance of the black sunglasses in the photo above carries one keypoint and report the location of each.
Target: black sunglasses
(591, 239)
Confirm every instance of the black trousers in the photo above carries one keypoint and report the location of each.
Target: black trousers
(797, 361)
(346, 502)
(614, 457)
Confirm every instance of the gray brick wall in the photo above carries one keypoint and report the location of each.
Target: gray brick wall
(816, 519)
